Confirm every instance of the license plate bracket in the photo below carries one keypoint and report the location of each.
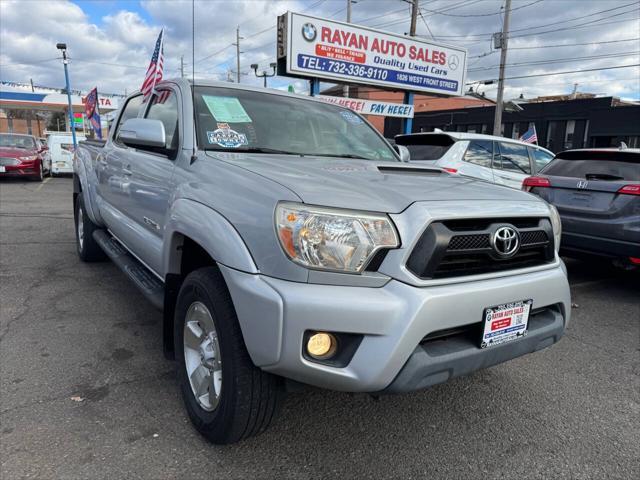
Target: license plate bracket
(505, 323)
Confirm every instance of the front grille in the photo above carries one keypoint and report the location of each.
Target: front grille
(6, 161)
(534, 237)
(456, 248)
(469, 242)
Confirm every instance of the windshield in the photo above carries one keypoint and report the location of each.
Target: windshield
(608, 165)
(233, 120)
(17, 141)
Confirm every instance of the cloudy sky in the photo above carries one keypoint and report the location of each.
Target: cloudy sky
(110, 42)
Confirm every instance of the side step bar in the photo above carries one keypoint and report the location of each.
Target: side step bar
(149, 285)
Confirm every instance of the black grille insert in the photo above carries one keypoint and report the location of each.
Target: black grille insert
(456, 248)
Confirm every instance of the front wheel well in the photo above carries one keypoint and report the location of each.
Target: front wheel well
(188, 256)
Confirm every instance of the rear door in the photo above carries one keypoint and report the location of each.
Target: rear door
(477, 160)
(113, 174)
(540, 158)
(511, 164)
(596, 192)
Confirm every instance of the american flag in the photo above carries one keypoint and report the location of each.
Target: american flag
(154, 72)
(530, 136)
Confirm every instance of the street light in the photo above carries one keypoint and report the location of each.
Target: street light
(63, 48)
(264, 75)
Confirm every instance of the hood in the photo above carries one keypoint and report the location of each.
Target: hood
(367, 185)
(16, 152)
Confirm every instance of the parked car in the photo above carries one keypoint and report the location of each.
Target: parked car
(22, 156)
(597, 193)
(43, 147)
(61, 148)
(494, 159)
(284, 238)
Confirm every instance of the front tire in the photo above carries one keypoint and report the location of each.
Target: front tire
(88, 249)
(40, 175)
(226, 396)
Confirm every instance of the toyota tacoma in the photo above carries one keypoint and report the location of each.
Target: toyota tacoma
(287, 242)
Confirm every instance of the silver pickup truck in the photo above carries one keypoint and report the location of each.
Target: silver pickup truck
(284, 238)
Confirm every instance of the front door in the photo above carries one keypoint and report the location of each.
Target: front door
(150, 183)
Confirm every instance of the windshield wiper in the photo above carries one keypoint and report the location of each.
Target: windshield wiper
(601, 176)
(253, 150)
(339, 155)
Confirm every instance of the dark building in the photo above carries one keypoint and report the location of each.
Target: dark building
(560, 125)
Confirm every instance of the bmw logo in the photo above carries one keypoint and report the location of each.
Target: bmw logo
(309, 32)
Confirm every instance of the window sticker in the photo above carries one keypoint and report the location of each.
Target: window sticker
(226, 137)
(351, 117)
(226, 109)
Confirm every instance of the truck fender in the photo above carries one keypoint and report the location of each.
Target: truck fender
(83, 186)
(209, 229)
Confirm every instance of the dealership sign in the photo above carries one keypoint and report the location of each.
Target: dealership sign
(318, 48)
(370, 107)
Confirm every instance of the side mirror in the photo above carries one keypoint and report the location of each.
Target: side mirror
(405, 155)
(142, 133)
(44, 148)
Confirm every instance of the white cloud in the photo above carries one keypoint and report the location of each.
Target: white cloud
(114, 52)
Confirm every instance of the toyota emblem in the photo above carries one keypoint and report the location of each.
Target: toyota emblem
(506, 241)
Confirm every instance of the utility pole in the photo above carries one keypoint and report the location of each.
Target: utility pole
(65, 61)
(497, 119)
(181, 66)
(345, 87)
(238, 52)
(414, 18)
(408, 96)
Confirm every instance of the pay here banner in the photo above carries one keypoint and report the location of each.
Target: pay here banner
(326, 49)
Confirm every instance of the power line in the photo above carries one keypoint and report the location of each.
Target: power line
(551, 74)
(574, 44)
(35, 62)
(499, 12)
(558, 60)
(572, 27)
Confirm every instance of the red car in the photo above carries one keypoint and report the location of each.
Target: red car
(22, 156)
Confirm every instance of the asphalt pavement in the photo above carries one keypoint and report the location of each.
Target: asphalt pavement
(85, 391)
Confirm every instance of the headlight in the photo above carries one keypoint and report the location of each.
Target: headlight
(556, 224)
(332, 239)
(28, 159)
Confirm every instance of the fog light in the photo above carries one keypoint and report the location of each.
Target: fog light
(321, 345)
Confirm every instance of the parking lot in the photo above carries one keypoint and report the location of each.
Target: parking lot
(87, 393)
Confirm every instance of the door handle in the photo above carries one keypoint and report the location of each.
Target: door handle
(127, 170)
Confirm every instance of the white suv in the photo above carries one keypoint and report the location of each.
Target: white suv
(495, 159)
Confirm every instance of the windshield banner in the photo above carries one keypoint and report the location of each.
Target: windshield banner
(320, 48)
(370, 107)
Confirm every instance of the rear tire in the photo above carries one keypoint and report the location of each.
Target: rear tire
(235, 399)
(88, 249)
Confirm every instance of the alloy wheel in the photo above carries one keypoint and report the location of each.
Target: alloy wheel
(202, 356)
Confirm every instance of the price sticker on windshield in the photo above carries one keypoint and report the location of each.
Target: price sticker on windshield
(226, 109)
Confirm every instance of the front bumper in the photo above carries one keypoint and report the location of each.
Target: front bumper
(20, 171)
(274, 315)
(58, 168)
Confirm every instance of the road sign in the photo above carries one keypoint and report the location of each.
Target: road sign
(313, 47)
